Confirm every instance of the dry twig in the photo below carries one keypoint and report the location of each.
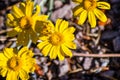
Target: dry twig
(97, 55)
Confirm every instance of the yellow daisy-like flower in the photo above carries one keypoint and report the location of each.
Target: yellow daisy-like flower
(23, 18)
(16, 65)
(59, 42)
(46, 28)
(89, 9)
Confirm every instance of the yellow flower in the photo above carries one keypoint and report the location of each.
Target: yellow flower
(89, 9)
(15, 65)
(46, 28)
(23, 19)
(59, 42)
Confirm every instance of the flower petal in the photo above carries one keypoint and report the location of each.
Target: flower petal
(29, 8)
(8, 52)
(59, 53)
(42, 17)
(92, 19)
(66, 50)
(53, 53)
(71, 45)
(10, 17)
(2, 57)
(18, 29)
(22, 51)
(46, 49)
(100, 15)
(69, 37)
(103, 5)
(64, 24)
(83, 17)
(3, 72)
(69, 30)
(17, 12)
(22, 7)
(42, 44)
(77, 10)
(37, 11)
(58, 23)
(43, 38)
(11, 75)
(23, 75)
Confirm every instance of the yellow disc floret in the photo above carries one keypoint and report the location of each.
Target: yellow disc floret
(56, 38)
(90, 4)
(14, 63)
(46, 30)
(26, 22)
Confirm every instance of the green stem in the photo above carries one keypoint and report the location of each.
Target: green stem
(51, 2)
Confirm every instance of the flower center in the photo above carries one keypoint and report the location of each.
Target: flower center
(46, 30)
(14, 63)
(90, 4)
(56, 38)
(26, 22)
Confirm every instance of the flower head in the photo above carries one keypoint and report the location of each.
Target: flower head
(90, 9)
(15, 65)
(45, 29)
(59, 41)
(23, 18)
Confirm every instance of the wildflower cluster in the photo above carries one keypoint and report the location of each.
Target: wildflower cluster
(55, 40)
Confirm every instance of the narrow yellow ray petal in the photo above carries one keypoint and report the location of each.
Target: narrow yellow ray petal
(83, 17)
(100, 15)
(11, 75)
(103, 5)
(22, 7)
(29, 8)
(64, 24)
(37, 11)
(77, 10)
(2, 57)
(71, 45)
(42, 44)
(52, 53)
(92, 19)
(17, 12)
(69, 37)
(60, 55)
(66, 50)
(42, 17)
(3, 72)
(46, 49)
(22, 51)
(10, 17)
(23, 75)
(58, 23)
(69, 30)
(8, 52)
